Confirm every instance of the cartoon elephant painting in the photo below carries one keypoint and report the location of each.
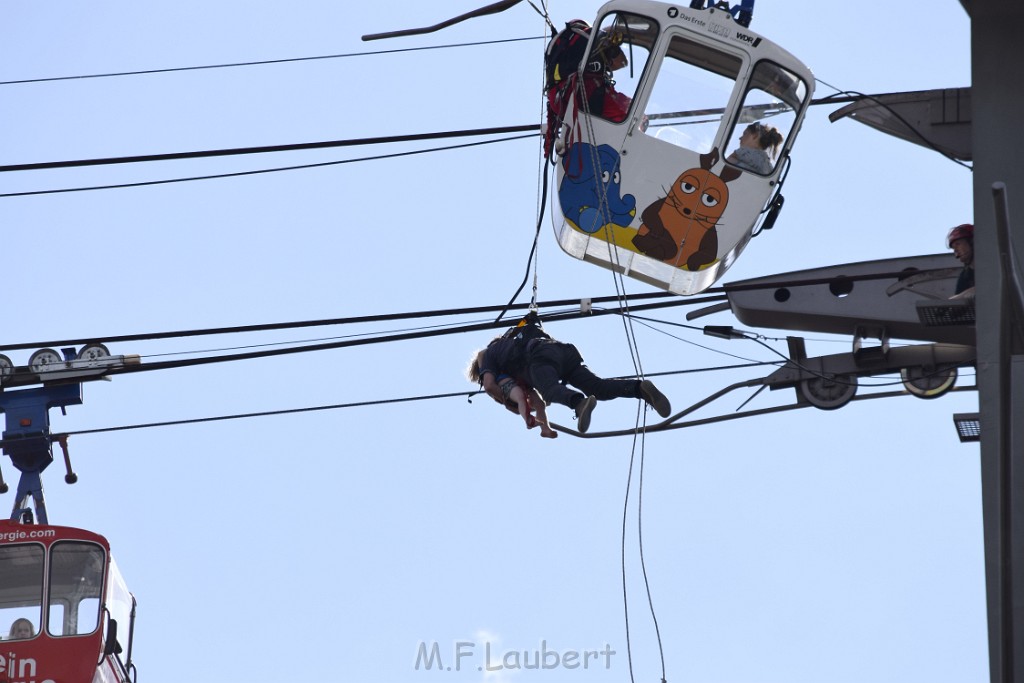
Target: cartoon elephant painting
(680, 228)
(590, 196)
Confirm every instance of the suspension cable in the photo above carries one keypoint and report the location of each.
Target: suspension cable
(266, 61)
(265, 149)
(239, 174)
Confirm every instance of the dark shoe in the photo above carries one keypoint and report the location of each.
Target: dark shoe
(654, 398)
(583, 410)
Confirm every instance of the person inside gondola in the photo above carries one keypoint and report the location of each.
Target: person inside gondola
(961, 240)
(759, 144)
(21, 629)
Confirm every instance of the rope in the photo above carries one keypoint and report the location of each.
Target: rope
(608, 228)
(544, 14)
(543, 193)
(579, 100)
(625, 514)
(609, 235)
(640, 541)
(542, 170)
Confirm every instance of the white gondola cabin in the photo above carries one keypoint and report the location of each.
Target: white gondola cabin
(649, 180)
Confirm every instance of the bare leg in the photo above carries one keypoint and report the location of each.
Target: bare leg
(517, 400)
(536, 403)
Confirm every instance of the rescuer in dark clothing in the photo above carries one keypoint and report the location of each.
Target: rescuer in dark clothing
(550, 366)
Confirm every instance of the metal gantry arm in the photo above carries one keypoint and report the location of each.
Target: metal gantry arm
(830, 382)
(904, 298)
(27, 438)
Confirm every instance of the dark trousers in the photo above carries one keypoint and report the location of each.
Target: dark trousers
(552, 365)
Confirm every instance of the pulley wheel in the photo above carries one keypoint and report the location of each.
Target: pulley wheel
(93, 352)
(929, 382)
(829, 392)
(43, 360)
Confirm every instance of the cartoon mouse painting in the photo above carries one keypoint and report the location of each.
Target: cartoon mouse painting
(680, 228)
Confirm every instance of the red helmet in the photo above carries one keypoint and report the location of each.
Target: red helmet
(960, 232)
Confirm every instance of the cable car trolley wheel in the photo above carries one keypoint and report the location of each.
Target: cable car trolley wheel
(43, 360)
(929, 382)
(6, 367)
(829, 392)
(93, 352)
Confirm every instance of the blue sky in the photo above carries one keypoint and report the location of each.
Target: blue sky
(801, 546)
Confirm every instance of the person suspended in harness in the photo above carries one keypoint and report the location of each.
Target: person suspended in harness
(528, 354)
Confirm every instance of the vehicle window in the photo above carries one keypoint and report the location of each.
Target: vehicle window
(120, 603)
(618, 57)
(76, 585)
(769, 110)
(693, 87)
(21, 590)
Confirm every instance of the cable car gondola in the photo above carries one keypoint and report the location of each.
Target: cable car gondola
(653, 189)
(66, 615)
(65, 612)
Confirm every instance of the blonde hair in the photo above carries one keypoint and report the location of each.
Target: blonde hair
(473, 371)
(17, 622)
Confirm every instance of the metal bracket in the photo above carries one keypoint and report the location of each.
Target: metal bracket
(27, 438)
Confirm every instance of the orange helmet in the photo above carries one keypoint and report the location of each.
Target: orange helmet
(960, 232)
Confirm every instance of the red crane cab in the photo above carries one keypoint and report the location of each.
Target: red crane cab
(66, 615)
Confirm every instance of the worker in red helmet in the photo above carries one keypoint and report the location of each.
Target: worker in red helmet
(961, 240)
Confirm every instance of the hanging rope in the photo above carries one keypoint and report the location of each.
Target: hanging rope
(542, 205)
(640, 542)
(604, 211)
(608, 228)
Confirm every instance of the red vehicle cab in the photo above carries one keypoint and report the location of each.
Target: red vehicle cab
(66, 615)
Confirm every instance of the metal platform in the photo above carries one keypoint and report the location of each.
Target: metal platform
(945, 313)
